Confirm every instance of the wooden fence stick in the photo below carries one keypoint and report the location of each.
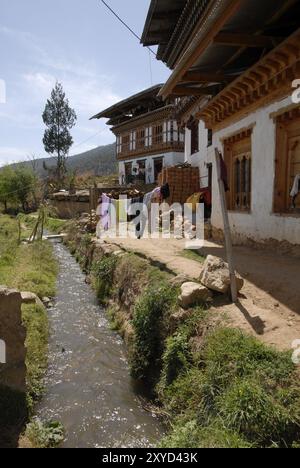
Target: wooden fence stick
(227, 231)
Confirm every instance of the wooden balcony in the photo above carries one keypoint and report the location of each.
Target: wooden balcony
(144, 145)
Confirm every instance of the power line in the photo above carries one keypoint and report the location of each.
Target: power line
(126, 25)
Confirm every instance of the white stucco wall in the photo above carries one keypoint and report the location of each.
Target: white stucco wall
(261, 223)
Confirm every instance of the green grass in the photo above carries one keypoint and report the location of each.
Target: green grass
(235, 392)
(193, 255)
(55, 225)
(27, 268)
(36, 322)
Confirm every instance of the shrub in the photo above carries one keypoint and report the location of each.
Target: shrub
(103, 272)
(45, 435)
(176, 358)
(184, 395)
(150, 331)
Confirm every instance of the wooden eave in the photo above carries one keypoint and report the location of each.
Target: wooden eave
(226, 44)
(272, 75)
(149, 117)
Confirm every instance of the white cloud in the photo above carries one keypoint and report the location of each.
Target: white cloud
(87, 96)
(88, 92)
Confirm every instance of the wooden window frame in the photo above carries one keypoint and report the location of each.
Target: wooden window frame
(287, 127)
(158, 134)
(243, 141)
(195, 137)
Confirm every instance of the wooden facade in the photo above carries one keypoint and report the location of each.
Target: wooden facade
(147, 135)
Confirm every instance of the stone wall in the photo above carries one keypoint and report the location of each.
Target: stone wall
(12, 337)
(68, 206)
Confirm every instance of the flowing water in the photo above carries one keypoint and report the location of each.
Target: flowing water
(88, 386)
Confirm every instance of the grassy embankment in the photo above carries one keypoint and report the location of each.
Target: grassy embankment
(217, 386)
(27, 268)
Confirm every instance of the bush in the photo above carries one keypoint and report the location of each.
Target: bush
(103, 272)
(45, 435)
(176, 358)
(150, 331)
(184, 395)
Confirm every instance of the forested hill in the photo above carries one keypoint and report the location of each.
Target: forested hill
(99, 161)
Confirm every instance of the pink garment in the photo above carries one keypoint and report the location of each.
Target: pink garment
(105, 209)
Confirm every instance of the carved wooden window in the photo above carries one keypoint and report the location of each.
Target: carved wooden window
(141, 137)
(238, 159)
(125, 143)
(158, 134)
(287, 163)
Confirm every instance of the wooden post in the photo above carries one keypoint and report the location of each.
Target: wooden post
(227, 232)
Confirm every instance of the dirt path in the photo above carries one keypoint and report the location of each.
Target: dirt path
(269, 305)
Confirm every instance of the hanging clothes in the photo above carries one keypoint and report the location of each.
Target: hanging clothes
(296, 186)
(149, 196)
(105, 210)
(295, 190)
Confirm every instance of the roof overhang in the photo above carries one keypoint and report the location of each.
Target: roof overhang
(128, 105)
(162, 18)
(230, 37)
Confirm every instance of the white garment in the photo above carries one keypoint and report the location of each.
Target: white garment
(295, 189)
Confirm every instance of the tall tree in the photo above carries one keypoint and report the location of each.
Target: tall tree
(59, 118)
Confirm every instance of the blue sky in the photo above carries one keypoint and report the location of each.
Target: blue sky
(80, 44)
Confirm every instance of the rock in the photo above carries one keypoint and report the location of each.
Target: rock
(12, 338)
(192, 294)
(46, 300)
(215, 275)
(31, 298)
(179, 280)
(28, 297)
(178, 318)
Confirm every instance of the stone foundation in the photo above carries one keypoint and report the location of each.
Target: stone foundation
(12, 337)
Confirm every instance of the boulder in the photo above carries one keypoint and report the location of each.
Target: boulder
(31, 298)
(12, 338)
(215, 275)
(179, 280)
(193, 294)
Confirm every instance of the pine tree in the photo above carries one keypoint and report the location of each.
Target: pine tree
(59, 118)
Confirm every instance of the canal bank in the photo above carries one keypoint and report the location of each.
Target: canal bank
(217, 386)
(88, 384)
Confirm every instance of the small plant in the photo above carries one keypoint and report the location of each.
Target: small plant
(103, 272)
(150, 330)
(176, 359)
(45, 435)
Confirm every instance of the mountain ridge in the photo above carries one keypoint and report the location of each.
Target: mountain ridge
(99, 161)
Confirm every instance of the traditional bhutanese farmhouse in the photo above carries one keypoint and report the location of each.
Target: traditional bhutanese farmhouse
(147, 134)
(234, 64)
